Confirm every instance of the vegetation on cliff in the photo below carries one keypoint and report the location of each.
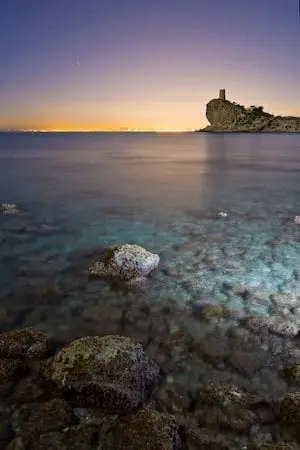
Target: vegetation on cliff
(226, 116)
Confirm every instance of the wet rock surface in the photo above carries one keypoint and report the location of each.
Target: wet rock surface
(111, 372)
(23, 343)
(94, 393)
(125, 262)
(147, 429)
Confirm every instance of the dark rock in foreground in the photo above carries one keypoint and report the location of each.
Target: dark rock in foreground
(24, 343)
(147, 430)
(110, 372)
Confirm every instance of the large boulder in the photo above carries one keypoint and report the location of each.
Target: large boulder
(125, 262)
(110, 372)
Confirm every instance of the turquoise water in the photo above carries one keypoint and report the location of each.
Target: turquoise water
(80, 193)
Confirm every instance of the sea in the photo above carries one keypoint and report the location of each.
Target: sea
(220, 211)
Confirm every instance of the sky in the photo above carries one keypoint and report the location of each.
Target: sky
(143, 64)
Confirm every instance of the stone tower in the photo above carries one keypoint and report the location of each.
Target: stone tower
(222, 94)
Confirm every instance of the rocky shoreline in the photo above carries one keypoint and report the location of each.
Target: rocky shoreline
(107, 393)
(229, 117)
(102, 358)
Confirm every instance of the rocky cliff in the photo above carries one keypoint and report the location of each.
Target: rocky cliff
(226, 116)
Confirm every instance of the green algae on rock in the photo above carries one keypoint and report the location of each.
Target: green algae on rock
(292, 373)
(111, 372)
(23, 343)
(125, 262)
(147, 430)
(215, 313)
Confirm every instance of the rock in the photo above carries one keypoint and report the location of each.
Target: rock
(227, 417)
(213, 349)
(226, 116)
(79, 437)
(10, 372)
(275, 324)
(8, 208)
(43, 229)
(125, 262)
(290, 413)
(292, 373)
(206, 439)
(215, 313)
(28, 390)
(172, 398)
(147, 430)
(226, 406)
(215, 393)
(53, 415)
(284, 299)
(111, 372)
(6, 433)
(16, 444)
(23, 343)
(273, 446)
(247, 363)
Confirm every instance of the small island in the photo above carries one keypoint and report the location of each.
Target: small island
(225, 116)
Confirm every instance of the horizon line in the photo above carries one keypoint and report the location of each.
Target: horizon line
(98, 131)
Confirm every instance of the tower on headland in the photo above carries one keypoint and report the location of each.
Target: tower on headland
(222, 94)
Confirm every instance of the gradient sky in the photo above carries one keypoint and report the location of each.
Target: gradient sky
(108, 64)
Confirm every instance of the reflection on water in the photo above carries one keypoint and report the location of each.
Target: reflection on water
(81, 193)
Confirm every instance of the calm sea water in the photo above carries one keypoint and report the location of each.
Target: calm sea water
(82, 192)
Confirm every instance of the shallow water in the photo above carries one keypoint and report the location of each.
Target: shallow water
(83, 192)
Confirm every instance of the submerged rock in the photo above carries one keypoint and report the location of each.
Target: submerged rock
(52, 415)
(247, 363)
(215, 313)
(125, 262)
(273, 446)
(110, 372)
(8, 208)
(205, 438)
(23, 343)
(275, 324)
(147, 430)
(10, 371)
(290, 413)
(77, 437)
(292, 373)
(227, 407)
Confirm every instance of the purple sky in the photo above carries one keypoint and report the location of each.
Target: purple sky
(102, 64)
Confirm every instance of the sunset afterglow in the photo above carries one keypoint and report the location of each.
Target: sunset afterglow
(89, 66)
